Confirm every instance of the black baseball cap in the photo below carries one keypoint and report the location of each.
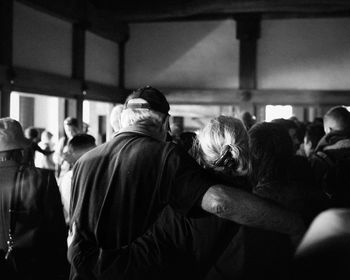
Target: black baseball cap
(155, 100)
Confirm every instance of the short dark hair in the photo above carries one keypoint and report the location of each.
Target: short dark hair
(313, 133)
(71, 121)
(271, 150)
(31, 132)
(82, 141)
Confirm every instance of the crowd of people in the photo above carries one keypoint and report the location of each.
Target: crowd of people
(236, 200)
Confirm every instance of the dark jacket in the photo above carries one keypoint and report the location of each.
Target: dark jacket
(330, 164)
(38, 226)
(118, 191)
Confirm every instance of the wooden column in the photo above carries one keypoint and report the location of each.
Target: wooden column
(6, 47)
(5, 94)
(248, 33)
(121, 64)
(78, 67)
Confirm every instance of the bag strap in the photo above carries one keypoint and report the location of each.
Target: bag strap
(161, 167)
(12, 211)
(326, 158)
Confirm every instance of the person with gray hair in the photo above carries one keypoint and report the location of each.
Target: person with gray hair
(32, 232)
(114, 117)
(120, 188)
(199, 244)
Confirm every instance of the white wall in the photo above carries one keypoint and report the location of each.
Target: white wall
(183, 55)
(91, 111)
(101, 60)
(304, 54)
(40, 41)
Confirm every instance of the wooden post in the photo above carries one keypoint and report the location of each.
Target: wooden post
(121, 64)
(78, 67)
(248, 32)
(6, 48)
(5, 94)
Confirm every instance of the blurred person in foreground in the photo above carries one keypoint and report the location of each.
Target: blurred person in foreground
(331, 160)
(32, 232)
(77, 147)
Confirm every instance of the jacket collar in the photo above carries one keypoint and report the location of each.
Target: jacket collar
(341, 144)
(140, 130)
(331, 139)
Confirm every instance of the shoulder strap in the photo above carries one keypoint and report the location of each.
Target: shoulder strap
(161, 167)
(15, 198)
(326, 158)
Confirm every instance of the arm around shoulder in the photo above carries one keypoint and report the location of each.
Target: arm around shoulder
(250, 210)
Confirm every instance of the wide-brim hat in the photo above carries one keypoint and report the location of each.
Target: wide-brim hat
(11, 135)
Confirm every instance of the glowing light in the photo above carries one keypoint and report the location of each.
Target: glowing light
(278, 111)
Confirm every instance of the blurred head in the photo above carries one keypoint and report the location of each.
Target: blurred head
(271, 150)
(71, 127)
(46, 136)
(11, 135)
(337, 119)
(291, 127)
(78, 146)
(147, 107)
(32, 133)
(222, 145)
(114, 117)
(248, 119)
(313, 134)
(187, 139)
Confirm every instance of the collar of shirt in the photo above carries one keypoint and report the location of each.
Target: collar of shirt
(140, 130)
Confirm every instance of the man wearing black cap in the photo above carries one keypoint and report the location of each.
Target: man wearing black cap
(120, 188)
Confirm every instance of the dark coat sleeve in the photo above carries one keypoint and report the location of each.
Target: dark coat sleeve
(55, 227)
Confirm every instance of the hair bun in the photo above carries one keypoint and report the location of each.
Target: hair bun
(226, 158)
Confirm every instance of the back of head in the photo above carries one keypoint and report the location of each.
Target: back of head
(71, 127)
(222, 145)
(286, 123)
(186, 139)
(71, 121)
(146, 107)
(271, 149)
(115, 117)
(81, 142)
(31, 133)
(313, 133)
(295, 132)
(337, 119)
(78, 146)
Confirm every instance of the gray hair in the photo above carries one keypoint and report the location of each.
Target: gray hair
(145, 117)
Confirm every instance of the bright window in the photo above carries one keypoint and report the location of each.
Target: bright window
(277, 112)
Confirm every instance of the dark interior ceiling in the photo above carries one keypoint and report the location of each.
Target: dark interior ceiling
(154, 10)
(109, 18)
(164, 10)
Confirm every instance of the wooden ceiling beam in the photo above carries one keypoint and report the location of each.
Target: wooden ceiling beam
(183, 10)
(257, 96)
